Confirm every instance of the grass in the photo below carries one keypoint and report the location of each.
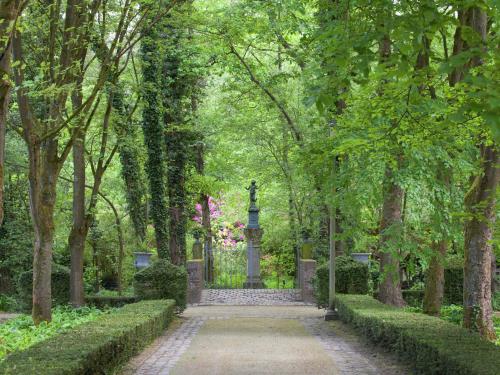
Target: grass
(20, 333)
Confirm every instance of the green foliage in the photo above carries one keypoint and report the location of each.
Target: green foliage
(430, 344)
(96, 347)
(8, 303)
(350, 277)
(109, 301)
(162, 280)
(154, 138)
(453, 284)
(413, 297)
(20, 333)
(60, 286)
(496, 301)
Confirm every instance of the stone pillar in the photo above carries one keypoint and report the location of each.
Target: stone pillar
(307, 272)
(253, 235)
(195, 280)
(197, 248)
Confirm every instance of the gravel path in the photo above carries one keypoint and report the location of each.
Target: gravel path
(291, 339)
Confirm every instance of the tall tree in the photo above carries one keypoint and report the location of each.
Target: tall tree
(391, 222)
(480, 201)
(153, 137)
(9, 12)
(49, 125)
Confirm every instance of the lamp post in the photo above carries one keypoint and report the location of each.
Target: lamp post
(331, 313)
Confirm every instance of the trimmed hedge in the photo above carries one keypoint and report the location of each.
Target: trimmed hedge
(432, 345)
(96, 347)
(351, 277)
(110, 301)
(60, 286)
(162, 280)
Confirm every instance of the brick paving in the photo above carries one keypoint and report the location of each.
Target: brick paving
(350, 355)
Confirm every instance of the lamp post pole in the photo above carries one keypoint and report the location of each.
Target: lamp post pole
(331, 313)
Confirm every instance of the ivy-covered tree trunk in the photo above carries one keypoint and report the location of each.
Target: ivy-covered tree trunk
(154, 141)
(176, 87)
(130, 165)
(9, 11)
(176, 152)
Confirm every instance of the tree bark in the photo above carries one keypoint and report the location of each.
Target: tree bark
(480, 206)
(43, 172)
(79, 229)
(390, 287)
(9, 11)
(434, 279)
(480, 201)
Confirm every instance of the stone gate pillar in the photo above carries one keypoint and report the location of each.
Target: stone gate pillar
(253, 234)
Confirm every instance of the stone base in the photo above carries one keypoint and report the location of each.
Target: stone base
(307, 270)
(256, 284)
(331, 315)
(195, 280)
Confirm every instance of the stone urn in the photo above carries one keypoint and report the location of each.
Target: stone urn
(361, 257)
(142, 260)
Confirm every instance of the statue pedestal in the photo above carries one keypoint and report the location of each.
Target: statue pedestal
(253, 235)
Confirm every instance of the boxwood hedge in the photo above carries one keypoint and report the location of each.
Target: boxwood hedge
(96, 347)
(430, 344)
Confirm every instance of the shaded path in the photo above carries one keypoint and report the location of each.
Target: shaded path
(290, 339)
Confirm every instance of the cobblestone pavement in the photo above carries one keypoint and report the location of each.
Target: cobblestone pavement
(253, 297)
(195, 345)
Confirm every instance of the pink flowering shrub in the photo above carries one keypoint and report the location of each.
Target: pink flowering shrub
(225, 234)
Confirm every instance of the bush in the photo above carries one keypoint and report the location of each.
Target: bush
(60, 286)
(453, 285)
(413, 298)
(96, 347)
(351, 277)
(432, 345)
(162, 280)
(110, 301)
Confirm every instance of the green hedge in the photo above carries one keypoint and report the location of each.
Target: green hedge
(97, 347)
(351, 277)
(432, 345)
(162, 280)
(60, 286)
(110, 301)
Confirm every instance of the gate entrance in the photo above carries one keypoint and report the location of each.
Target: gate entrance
(225, 268)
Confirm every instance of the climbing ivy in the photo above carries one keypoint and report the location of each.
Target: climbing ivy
(153, 138)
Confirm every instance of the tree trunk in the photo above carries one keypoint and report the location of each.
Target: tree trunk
(9, 11)
(176, 151)
(390, 286)
(43, 172)
(153, 139)
(79, 230)
(434, 279)
(480, 201)
(480, 205)
(205, 216)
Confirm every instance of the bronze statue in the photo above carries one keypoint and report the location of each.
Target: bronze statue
(253, 191)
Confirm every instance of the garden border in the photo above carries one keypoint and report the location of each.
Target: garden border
(96, 347)
(431, 345)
